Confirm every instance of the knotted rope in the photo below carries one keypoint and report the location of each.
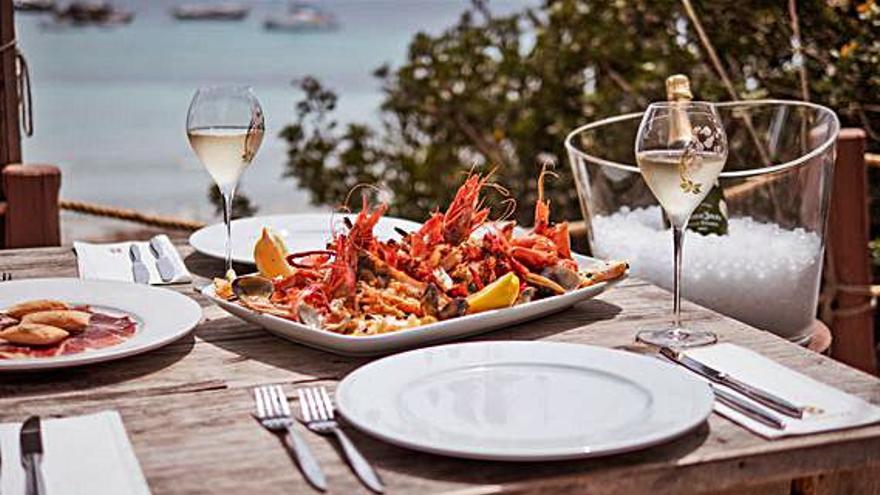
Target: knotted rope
(130, 215)
(23, 82)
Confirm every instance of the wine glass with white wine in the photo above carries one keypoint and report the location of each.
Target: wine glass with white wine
(225, 127)
(681, 148)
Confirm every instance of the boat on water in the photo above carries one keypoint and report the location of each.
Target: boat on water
(302, 17)
(210, 12)
(34, 5)
(92, 13)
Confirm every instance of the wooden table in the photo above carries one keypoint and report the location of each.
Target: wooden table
(186, 408)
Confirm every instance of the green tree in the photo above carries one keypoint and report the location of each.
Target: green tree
(502, 92)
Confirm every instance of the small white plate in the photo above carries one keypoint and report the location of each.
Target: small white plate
(454, 328)
(301, 232)
(523, 401)
(162, 316)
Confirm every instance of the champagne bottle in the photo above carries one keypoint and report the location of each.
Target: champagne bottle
(710, 216)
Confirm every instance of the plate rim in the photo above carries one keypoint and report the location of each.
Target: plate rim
(194, 239)
(85, 358)
(548, 454)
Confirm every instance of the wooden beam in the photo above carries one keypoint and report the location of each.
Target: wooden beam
(32, 218)
(10, 136)
(848, 237)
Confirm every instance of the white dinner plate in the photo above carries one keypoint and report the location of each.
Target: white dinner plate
(523, 401)
(162, 315)
(371, 345)
(301, 232)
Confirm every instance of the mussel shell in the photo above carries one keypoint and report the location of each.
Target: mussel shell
(310, 316)
(567, 278)
(252, 286)
(455, 308)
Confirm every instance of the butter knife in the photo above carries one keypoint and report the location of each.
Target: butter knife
(31, 441)
(774, 402)
(747, 408)
(138, 267)
(164, 263)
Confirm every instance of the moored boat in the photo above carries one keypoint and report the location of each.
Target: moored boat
(97, 13)
(205, 12)
(34, 5)
(301, 17)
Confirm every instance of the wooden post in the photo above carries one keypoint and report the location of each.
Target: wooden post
(848, 236)
(32, 205)
(10, 136)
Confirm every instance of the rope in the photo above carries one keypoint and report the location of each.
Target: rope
(23, 82)
(130, 215)
(832, 288)
(6, 46)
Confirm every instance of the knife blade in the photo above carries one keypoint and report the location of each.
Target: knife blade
(774, 402)
(138, 267)
(31, 441)
(747, 408)
(164, 263)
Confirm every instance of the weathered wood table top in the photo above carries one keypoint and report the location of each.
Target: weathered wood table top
(187, 410)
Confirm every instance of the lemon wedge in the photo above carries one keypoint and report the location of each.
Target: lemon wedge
(501, 293)
(269, 254)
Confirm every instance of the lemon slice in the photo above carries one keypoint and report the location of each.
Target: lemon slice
(269, 254)
(501, 293)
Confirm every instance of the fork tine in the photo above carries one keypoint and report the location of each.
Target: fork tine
(303, 406)
(276, 401)
(310, 400)
(282, 397)
(319, 404)
(261, 405)
(328, 404)
(271, 410)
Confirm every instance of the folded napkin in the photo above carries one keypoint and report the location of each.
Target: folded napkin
(82, 455)
(113, 262)
(827, 407)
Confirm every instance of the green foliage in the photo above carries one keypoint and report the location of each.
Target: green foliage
(502, 92)
(241, 204)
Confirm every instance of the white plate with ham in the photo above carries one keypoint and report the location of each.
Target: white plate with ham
(63, 322)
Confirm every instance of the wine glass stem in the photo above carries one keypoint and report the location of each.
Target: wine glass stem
(677, 244)
(228, 194)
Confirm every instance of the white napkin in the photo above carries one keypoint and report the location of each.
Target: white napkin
(828, 408)
(82, 455)
(112, 261)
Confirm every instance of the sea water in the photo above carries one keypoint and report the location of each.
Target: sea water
(110, 103)
(760, 273)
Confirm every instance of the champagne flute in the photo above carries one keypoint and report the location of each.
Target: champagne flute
(225, 127)
(681, 148)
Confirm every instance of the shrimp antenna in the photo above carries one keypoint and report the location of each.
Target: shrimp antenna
(509, 209)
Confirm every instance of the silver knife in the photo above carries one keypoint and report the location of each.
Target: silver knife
(138, 268)
(747, 408)
(164, 263)
(762, 396)
(32, 456)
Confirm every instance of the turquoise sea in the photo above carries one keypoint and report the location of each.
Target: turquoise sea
(110, 103)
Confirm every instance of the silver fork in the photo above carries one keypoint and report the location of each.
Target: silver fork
(318, 416)
(273, 412)
(5, 277)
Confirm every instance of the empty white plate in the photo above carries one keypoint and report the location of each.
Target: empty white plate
(162, 315)
(523, 401)
(301, 232)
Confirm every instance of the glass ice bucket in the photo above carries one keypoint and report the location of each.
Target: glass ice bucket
(777, 184)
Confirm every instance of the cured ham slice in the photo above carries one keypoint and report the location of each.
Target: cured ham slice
(103, 331)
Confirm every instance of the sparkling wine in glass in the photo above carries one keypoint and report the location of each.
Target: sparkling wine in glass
(225, 127)
(681, 148)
